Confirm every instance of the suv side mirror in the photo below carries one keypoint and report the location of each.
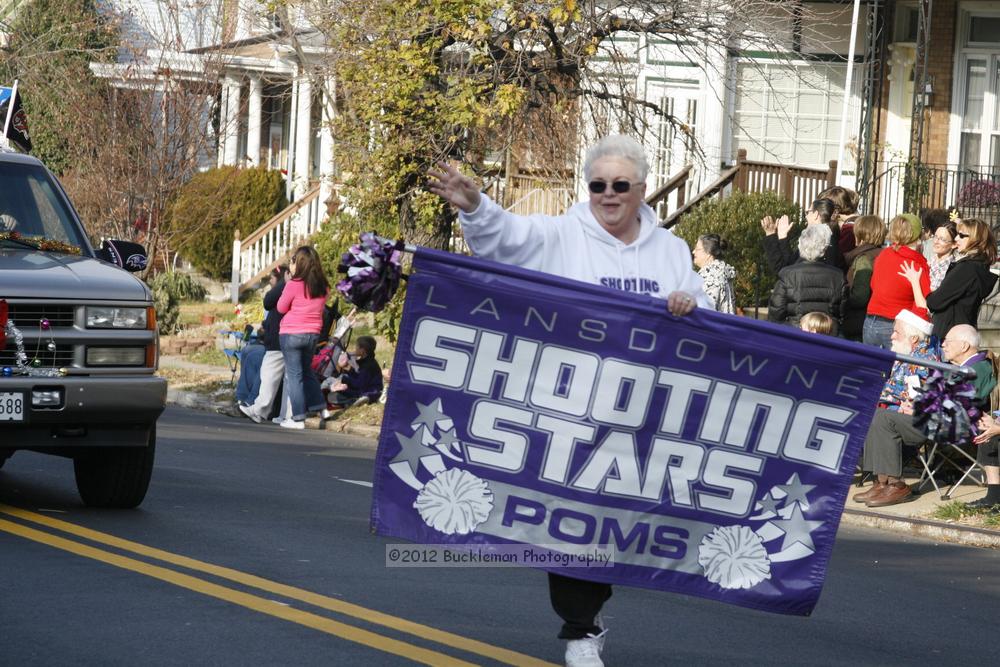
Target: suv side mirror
(129, 256)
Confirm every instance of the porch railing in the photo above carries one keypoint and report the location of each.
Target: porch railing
(678, 183)
(797, 184)
(525, 194)
(274, 241)
(903, 187)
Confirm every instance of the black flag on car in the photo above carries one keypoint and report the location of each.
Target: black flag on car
(15, 121)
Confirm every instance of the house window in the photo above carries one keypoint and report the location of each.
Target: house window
(978, 92)
(984, 30)
(907, 22)
(790, 112)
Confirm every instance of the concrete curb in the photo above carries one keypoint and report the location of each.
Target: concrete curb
(199, 401)
(936, 530)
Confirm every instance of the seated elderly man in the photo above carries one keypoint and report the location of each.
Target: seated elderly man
(961, 347)
(892, 426)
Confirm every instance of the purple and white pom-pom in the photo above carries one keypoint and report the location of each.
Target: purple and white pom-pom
(945, 409)
(373, 269)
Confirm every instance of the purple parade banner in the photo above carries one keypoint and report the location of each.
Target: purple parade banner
(708, 455)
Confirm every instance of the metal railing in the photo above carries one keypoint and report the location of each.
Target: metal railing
(274, 241)
(904, 187)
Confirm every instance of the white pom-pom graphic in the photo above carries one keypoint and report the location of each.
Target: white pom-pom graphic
(734, 557)
(454, 502)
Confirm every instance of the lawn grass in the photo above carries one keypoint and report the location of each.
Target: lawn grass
(192, 312)
(192, 380)
(953, 511)
(210, 356)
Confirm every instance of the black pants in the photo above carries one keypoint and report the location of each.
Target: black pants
(577, 602)
(987, 453)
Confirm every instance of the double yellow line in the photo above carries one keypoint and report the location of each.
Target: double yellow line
(255, 602)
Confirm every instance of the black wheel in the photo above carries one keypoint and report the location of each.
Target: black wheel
(115, 476)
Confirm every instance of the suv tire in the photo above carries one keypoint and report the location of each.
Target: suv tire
(115, 477)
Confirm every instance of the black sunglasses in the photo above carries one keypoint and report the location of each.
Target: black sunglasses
(621, 187)
(962, 235)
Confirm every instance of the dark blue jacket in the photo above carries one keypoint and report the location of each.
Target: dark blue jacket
(366, 381)
(272, 322)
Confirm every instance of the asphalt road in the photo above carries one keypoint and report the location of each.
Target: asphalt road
(253, 547)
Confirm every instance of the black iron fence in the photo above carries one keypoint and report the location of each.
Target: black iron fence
(905, 187)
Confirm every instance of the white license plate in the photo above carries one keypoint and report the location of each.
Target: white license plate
(11, 406)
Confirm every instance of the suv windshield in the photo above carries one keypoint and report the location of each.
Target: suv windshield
(30, 205)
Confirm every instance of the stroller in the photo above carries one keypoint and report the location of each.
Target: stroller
(324, 361)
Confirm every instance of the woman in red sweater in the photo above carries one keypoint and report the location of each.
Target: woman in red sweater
(301, 305)
(891, 292)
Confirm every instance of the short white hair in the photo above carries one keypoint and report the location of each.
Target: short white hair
(620, 146)
(814, 241)
(965, 333)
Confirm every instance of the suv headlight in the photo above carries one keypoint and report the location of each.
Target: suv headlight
(99, 317)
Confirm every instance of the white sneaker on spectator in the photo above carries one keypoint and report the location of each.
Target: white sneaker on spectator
(585, 652)
(277, 420)
(292, 424)
(251, 413)
(326, 414)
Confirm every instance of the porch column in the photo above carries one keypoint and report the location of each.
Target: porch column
(326, 165)
(231, 120)
(303, 136)
(710, 134)
(254, 112)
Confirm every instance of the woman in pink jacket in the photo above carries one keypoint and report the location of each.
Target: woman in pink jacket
(301, 304)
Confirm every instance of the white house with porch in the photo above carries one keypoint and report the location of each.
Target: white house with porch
(268, 108)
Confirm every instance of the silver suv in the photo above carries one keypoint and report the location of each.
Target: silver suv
(77, 367)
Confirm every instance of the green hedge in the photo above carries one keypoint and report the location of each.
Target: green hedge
(213, 204)
(737, 220)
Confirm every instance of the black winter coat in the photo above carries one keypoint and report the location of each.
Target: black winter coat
(958, 298)
(861, 262)
(272, 322)
(779, 253)
(805, 287)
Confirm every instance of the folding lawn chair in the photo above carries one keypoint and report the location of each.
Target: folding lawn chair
(934, 457)
(233, 343)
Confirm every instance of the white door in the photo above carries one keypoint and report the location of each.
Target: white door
(673, 145)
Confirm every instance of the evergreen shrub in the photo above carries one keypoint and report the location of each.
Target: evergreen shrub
(736, 219)
(215, 203)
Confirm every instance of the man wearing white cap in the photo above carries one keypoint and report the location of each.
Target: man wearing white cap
(892, 426)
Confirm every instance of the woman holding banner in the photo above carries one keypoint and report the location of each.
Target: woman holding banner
(615, 240)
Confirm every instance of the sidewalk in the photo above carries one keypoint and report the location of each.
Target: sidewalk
(915, 517)
(222, 402)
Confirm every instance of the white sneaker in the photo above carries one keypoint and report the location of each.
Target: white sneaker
(251, 413)
(599, 622)
(585, 652)
(326, 414)
(292, 424)
(277, 420)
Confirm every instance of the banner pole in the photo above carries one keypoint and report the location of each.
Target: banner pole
(10, 108)
(967, 371)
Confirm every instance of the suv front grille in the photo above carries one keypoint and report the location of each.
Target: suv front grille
(28, 316)
(63, 356)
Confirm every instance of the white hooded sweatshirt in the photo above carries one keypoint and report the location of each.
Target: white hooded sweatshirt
(574, 245)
